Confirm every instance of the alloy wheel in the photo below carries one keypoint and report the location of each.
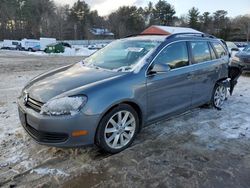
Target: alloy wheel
(220, 96)
(120, 129)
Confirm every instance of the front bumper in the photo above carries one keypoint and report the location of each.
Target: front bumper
(57, 130)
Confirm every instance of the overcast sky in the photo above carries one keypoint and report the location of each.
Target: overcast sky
(234, 7)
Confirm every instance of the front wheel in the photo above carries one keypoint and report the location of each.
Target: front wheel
(117, 129)
(219, 95)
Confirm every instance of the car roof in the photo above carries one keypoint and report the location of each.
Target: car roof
(173, 37)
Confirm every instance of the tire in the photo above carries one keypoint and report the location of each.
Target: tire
(219, 95)
(117, 129)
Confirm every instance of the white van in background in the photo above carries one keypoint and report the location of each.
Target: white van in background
(31, 45)
(11, 44)
(44, 42)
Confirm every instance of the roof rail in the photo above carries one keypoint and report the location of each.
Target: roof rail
(193, 34)
(145, 34)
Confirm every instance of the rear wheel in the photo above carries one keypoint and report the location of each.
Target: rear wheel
(219, 95)
(117, 129)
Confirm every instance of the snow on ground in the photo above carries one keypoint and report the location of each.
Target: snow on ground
(201, 148)
(49, 171)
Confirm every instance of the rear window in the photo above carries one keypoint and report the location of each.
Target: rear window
(200, 51)
(220, 50)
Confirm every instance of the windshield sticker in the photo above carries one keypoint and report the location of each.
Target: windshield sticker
(134, 49)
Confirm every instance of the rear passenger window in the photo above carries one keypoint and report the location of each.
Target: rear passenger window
(175, 55)
(213, 55)
(220, 50)
(200, 51)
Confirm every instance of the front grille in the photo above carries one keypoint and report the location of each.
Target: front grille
(46, 137)
(33, 104)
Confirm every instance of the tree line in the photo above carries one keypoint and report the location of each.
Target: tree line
(43, 18)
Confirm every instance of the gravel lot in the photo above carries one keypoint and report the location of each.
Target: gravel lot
(201, 148)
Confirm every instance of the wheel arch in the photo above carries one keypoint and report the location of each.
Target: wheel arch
(220, 80)
(133, 104)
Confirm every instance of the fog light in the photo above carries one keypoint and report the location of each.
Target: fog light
(79, 133)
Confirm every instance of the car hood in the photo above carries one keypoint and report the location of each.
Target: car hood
(59, 81)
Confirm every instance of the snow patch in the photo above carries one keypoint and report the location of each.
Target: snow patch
(224, 131)
(49, 171)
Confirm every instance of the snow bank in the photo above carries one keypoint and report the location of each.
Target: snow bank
(80, 51)
(84, 52)
(69, 51)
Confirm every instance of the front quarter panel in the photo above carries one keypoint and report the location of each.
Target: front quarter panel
(127, 88)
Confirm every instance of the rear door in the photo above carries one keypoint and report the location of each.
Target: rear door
(170, 92)
(205, 72)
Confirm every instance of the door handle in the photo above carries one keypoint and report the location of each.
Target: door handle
(217, 69)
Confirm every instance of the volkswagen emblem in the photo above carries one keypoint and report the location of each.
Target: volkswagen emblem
(25, 99)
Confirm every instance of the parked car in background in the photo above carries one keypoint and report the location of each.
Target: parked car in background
(232, 48)
(58, 47)
(93, 47)
(243, 58)
(11, 44)
(132, 82)
(241, 45)
(65, 44)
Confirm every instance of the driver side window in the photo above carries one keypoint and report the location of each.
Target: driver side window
(175, 55)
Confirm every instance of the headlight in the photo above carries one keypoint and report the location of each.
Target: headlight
(64, 106)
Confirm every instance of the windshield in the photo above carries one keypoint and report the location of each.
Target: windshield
(124, 53)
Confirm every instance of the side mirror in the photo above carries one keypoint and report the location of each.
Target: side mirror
(159, 68)
(235, 49)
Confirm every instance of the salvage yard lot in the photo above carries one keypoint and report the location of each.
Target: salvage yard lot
(201, 148)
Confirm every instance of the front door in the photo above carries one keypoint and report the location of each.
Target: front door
(170, 92)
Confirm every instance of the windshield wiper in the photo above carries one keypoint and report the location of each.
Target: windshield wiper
(123, 69)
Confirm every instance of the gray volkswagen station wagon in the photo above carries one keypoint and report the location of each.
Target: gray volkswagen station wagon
(108, 97)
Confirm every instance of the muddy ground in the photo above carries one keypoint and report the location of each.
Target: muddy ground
(201, 148)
